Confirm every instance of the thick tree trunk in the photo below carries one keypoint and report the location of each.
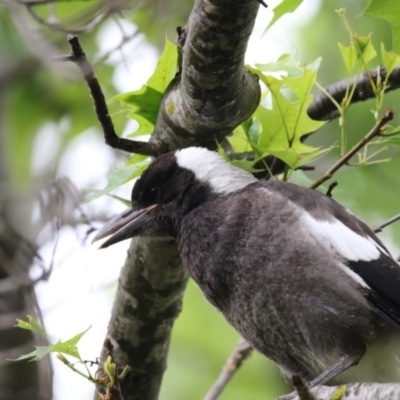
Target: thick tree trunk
(23, 379)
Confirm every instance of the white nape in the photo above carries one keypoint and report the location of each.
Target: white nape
(209, 167)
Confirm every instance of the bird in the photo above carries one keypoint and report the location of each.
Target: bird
(302, 279)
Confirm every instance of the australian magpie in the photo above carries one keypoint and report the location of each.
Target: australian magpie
(301, 278)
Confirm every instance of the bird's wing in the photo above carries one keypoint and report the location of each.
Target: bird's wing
(383, 277)
(362, 255)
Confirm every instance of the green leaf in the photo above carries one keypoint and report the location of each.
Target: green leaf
(36, 355)
(302, 86)
(389, 10)
(361, 49)
(130, 170)
(110, 369)
(143, 104)
(279, 129)
(239, 141)
(126, 202)
(285, 7)
(390, 59)
(365, 48)
(242, 164)
(300, 178)
(69, 346)
(166, 68)
(283, 126)
(32, 325)
(290, 64)
(349, 56)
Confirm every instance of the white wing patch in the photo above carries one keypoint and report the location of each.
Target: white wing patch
(353, 275)
(211, 168)
(341, 240)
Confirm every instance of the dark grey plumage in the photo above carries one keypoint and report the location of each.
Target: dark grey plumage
(302, 279)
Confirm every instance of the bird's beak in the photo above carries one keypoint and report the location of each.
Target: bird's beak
(125, 225)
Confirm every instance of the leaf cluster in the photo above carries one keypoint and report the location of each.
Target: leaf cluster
(68, 347)
(111, 376)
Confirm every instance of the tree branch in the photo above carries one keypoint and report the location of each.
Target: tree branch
(56, 25)
(302, 389)
(78, 57)
(322, 108)
(235, 360)
(378, 228)
(147, 302)
(353, 391)
(375, 131)
(213, 93)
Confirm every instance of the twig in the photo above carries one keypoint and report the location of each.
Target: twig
(70, 365)
(125, 39)
(263, 3)
(330, 188)
(57, 26)
(78, 57)
(375, 131)
(306, 168)
(378, 228)
(235, 360)
(301, 388)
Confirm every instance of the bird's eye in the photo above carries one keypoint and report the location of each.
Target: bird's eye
(155, 193)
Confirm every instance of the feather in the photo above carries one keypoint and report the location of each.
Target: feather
(383, 277)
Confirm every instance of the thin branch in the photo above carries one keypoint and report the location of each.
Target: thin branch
(302, 389)
(57, 26)
(125, 39)
(78, 57)
(378, 228)
(235, 360)
(375, 131)
(263, 3)
(306, 168)
(323, 109)
(330, 188)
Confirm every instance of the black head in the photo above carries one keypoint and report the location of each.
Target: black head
(171, 186)
(162, 183)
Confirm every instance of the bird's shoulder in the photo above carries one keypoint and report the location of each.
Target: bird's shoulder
(319, 211)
